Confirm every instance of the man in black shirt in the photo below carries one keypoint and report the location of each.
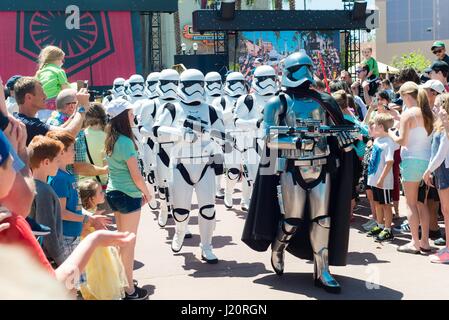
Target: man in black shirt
(31, 98)
(439, 50)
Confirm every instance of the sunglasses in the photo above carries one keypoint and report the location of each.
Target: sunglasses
(70, 103)
(437, 51)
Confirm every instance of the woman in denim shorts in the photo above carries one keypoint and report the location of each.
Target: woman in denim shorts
(126, 191)
(439, 169)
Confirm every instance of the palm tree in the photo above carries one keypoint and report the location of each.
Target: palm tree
(238, 5)
(292, 4)
(277, 4)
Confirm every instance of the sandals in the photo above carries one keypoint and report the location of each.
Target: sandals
(407, 248)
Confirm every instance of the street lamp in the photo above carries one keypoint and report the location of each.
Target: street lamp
(183, 48)
(195, 47)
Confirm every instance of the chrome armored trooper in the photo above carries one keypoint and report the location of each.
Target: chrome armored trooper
(214, 89)
(151, 85)
(248, 117)
(299, 125)
(117, 91)
(191, 124)
(234, 89)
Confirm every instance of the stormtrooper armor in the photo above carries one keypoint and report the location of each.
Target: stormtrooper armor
(137, 98)
(191, 124)
(151, 85)
(303, 165)
(234, 89)
(214, 89)
(118, 90)
(248, 117)
(167, 90)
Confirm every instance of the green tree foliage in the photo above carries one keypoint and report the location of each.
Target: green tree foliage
(415, 60)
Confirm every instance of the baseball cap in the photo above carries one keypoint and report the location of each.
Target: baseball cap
(438, 65)
(4, 149)
(117, 106)
(437, 44)
(12, 81)
(64, 97)
(435, 85)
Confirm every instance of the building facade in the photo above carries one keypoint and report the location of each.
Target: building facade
(410, 26)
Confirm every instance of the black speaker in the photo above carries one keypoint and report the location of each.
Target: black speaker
(204, 62)
(359, 10)
(227, 10)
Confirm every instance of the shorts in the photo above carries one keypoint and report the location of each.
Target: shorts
(426, 192)
(383, 196)
(441, 175)
(69, 245)
(121, 202)
(412, 170)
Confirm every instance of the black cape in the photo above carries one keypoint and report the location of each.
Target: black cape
(264, 213)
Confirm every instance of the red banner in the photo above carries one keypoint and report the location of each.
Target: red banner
(100, 50)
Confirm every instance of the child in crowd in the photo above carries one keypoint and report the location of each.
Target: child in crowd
(380, 176)
(105, 274)
(52, 77)
(371, 63)
(65, 187)
(365, 164)
(44, 155)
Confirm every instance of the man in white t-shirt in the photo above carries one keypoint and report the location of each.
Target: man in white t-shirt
(380, 176)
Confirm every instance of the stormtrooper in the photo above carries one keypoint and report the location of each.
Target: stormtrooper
(167, 91)
(117, 91)
(137, 99)
(301, 199)
(145, 122)
(191, 124)
(151, 85)
(234, 89)
(248, 116)
(214, 89)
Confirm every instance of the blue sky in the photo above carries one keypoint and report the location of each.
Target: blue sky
(325, 4)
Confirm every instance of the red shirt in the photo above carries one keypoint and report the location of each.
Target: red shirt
(19, 233)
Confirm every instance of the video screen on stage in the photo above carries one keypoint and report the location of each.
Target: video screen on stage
(272, 47)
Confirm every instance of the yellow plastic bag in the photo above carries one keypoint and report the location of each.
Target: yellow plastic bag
(105, 275)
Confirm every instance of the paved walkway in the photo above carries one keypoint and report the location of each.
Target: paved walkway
(374, 271)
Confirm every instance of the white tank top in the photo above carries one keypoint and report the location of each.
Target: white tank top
(418, 144)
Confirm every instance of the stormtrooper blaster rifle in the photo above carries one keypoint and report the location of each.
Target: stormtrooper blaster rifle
(308, 133)
(201, 127)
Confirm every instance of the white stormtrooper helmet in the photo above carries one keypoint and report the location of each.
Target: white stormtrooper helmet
(136, 85)
(167, 86)
(264, 80)
(127, 87)
(213, 85)
(235, 84)
(191, 86)
(118, 87)
(151, 84)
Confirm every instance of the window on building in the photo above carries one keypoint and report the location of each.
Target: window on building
(417, 20)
